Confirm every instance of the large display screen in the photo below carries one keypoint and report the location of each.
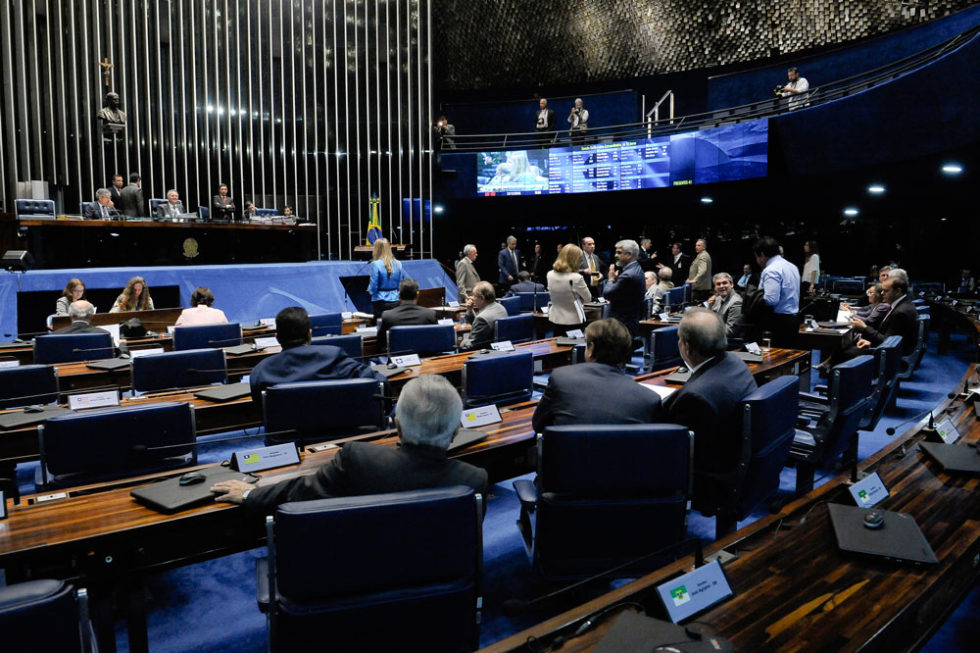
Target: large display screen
(727, 153)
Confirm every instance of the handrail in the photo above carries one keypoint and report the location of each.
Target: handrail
(751, 111)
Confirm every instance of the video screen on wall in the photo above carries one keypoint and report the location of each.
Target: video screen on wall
(727, 153)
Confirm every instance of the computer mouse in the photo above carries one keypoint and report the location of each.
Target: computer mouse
(391, 365)
(873, 519)
(125, 356)
(192, 478)
(484, 351)
(34, 409)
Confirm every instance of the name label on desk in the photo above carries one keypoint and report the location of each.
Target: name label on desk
(664, 316)
(346, 315)
(136, 353)
(869, 491)
(480, 416)
(503, 345)
(268, 321)
(257, 460)
(694, 591)
(93, 400)
(753, 348)
(408, 360)
(947, 431)
(453, 304)
(367, 331)
(575, 333)
(11, 363)
(268, 341)
(446, 320)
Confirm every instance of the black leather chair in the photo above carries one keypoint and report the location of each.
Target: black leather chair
(422, 339)
(44, 615)
(179, 369)
(768, 425)
(517, 328)
(661, 349)
(351, 344)
(314, 411)
(498, 379)
(605, 495)
(31, 209)
(72, 347)
(384, 572)
(28, 384)
(327, 324)
(207, 335)
(110, 443)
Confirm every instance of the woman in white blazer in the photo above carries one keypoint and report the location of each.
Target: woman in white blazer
(567, 288)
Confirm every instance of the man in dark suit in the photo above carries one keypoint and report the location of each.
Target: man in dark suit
(101, 208)
(172, 207)
(509, 263)
(901, 320)
(545, 123)
(302, 361)
(591, 268)
(222, 206)
(708, 401)
(131, 198)
(115, 189)
(597, 391)
(678, 261)
(427, 417)
(626, 287)
(524, 284)
(406, 313)
(81, 313)
(538, 267)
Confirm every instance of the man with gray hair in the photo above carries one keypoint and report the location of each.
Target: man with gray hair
(726, 303)
(466, 274)
(81, 313)
(483, 311)
(708, 401)
(508, 263)
(626, 286)
(699, 275)
(172, 207)
(101, 208)
(427, 416)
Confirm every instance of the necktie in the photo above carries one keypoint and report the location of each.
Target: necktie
(591, 263)
(102, 208)
(513, 255)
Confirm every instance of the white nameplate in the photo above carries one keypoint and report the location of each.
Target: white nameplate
(753, 348)
(137, 353)
(575, 333)
(503, 345)
(869, 491)
(694, 591)
(170, 330)
(664, 317)
(268, 341)
(11, 363)
(50, 497)
(947, 431)
(346, 315)
(480, 416)
(257, 460)
(268, 321)
(446, 320)
(367, 331)
(93, 400)
(453, 304)
(408, 360)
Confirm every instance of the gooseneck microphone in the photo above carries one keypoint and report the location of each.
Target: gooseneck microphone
(928, 428)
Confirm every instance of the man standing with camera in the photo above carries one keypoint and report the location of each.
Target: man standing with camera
(578, 117)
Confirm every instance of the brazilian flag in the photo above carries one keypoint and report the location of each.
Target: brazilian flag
(374, 220)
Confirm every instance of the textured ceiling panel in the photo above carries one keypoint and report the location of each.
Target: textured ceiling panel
(487, 43)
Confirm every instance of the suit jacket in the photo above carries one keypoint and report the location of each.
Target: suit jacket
(403, 314)
(466, 278)
(700, 271)
(538, 268)
(600, 266)
(903, 320)
(79, 327)
(94, 211)
(680, 268)
(222, 208)
(730, 312)
(505, 264)
(368, 468)
(525, 286)
(563, 295)
(550, 125)
(131, 201)
(707, 405)
(593, 393)
(167, 209)
(309, 363)
(114, 195)
(481, 335)
(626, 295)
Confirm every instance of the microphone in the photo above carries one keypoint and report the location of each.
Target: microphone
(929, 428)
(224, 341)
(78, 350)
(144, 449)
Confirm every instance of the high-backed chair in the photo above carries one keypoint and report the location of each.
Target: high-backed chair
(351, 344)
(500, 379)
(204, 212)
(431, 297)
(28, 209)
(179, 369)
(327, 324)
(313, 411)
(531, 300)
(207, 335)
(511, 304)
(578, 354)
(911, 362)
(834, 432)
(661, 349)
(605, 495)
(28, 384)
(768, 425)
(422, 339)
(72, 347)
(83, 207)
(675, 298)
(45, 615)
(267, 212)
(110, 443)
(519, 328)
(425, 597)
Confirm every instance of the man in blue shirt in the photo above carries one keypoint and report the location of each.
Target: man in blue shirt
(779, 284)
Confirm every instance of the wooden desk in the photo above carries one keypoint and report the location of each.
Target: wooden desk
(156, 320)
(946, 318)
(795, 590)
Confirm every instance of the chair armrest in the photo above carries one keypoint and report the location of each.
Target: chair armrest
(527, 493)
(802, 422)
(809, 397)
(820, 389)
(262, 583)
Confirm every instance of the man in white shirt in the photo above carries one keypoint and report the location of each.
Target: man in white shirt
(796, 89)
(545, 125)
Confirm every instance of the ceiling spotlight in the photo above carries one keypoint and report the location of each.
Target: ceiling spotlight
(707, 200)
(876, 189)
(851, 211)
(952, 168)
(437, 209)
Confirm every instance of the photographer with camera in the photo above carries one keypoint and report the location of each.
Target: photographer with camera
(578, 117)
(797, 86)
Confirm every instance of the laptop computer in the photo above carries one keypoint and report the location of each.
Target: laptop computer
(222, 393)
(749, 357)
(466, 437)
(170, 496)
(953, 458)
(388, 372)
(898, 538)
(110, 364)
(31, 416)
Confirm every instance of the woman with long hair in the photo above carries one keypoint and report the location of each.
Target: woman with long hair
(134, 297)
(386, 275)
(74, 291)
(568, 291)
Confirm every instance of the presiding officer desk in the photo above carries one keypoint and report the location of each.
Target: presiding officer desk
(794, 590)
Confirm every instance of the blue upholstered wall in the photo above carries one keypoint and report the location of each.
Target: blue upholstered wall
(750, 86)
(243, 292)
